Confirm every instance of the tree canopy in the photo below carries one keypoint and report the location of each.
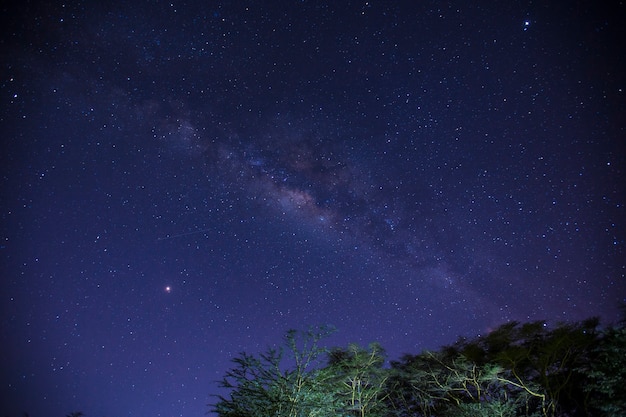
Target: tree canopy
(519, 369)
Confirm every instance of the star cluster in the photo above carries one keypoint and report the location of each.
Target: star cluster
(185, 181)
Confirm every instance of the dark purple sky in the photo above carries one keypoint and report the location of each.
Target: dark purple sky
(408, 173)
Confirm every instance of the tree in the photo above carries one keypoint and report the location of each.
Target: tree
(606, 383)
(446, 383)
(552, 361)
(409, 393)
(528, 369)
(356, 379)
(267, 386)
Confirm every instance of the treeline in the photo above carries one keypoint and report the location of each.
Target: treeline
(516, 370)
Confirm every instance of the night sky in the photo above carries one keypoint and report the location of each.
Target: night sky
(183, 181)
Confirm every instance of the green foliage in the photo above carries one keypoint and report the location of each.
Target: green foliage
(356, 380)
(482, 409)
(447, 383)
(518, 369)
(606, 384)
(265, 386)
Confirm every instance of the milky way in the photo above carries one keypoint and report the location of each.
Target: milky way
(185, 181)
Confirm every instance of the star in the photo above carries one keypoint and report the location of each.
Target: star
(268, 161)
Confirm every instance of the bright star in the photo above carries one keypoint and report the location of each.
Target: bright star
(168, 289)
